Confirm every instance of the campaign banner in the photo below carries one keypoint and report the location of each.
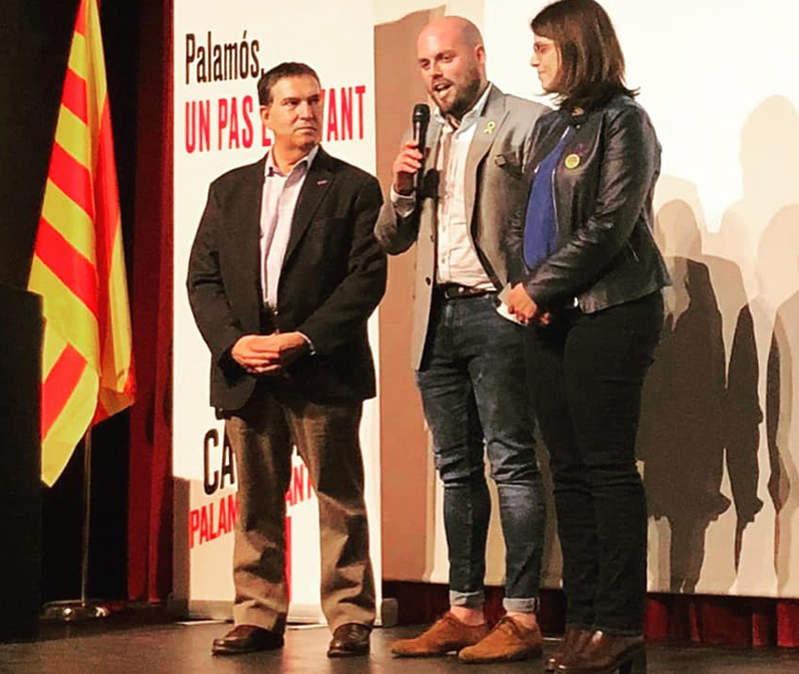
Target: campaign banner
(221, 49)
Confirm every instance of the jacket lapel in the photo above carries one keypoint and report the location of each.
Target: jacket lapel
(488, 126)
(431, 142)
(318, 181)
(245, 235)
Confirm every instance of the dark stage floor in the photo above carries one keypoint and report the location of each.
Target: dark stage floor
(185, 649)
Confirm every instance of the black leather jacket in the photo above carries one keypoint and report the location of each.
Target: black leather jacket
(603, 187)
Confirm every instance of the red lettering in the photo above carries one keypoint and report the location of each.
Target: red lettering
(223, 119)
(247, 135)
(191, 129)
(205, 125)
(194, 525)
(198, 130)
(346, 113)
(359, 91)
(233, 135)
(204, 537)
(213, 533)
(232, 510)
(266, 141)
(332, 116)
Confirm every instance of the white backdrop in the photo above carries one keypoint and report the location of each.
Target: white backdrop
(717, 78)
(719, 441)
(220, 51)
(719, 438)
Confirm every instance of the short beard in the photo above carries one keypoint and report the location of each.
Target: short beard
(468, 97)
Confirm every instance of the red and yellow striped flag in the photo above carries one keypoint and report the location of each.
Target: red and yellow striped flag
(78, 263)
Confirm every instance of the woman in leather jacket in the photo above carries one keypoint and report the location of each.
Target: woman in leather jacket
(586, 277)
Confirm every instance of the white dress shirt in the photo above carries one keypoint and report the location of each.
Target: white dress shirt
(278, 203)
(456, 257)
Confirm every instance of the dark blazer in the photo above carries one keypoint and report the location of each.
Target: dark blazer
(606, 253)
(333, 276)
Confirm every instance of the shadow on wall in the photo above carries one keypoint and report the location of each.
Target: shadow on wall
(700, 427)
(770, 163)
(690, 398)
(408, 482)
(780, 244)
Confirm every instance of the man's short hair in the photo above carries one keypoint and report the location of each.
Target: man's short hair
(279, 72)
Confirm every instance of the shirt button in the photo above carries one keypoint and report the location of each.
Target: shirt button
(427, 280)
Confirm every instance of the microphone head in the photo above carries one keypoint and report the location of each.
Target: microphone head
(421, 113)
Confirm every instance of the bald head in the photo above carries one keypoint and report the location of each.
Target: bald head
(454, 27)
(452, 60)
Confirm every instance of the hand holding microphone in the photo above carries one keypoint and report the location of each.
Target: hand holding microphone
(408, 162)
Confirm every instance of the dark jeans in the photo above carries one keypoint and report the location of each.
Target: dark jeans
(586, 372)
(475, 399)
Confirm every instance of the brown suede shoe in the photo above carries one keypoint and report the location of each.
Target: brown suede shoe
(574, 638)
(446, 635)
(507, 642)
(247, 639)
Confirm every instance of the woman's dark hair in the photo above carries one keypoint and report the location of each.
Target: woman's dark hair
(592, 63)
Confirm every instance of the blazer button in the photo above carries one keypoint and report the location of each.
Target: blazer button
(427, 280)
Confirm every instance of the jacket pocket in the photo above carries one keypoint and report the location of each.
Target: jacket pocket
(510, 162)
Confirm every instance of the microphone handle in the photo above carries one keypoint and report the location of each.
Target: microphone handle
(419, 135)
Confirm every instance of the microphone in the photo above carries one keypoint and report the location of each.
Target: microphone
(421, 119)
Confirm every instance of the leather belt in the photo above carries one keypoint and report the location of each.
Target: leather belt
(454, 291)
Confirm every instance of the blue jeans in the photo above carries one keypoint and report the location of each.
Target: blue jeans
(474, 393)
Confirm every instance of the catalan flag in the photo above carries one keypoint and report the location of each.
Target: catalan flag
(79, 265)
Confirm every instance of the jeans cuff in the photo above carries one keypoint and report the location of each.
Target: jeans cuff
(467, 599)
(520, 605)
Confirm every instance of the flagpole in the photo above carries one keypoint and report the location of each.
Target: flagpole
(87, 517)
(71, 610)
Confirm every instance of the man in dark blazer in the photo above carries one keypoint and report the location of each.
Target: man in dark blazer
(283, 275)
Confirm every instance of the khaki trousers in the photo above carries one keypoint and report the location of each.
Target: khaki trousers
(326, 437)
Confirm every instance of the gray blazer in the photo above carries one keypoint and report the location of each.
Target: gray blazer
(495, 182)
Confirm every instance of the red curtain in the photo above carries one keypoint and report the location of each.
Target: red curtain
(679, 619)
(150, 490)
(716, 621)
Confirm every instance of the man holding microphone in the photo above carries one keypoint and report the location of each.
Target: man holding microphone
(455, 202)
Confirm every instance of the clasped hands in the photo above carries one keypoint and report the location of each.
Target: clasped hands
(269, 354)
(524, 308)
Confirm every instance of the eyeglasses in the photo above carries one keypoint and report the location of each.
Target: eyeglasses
(541, 48)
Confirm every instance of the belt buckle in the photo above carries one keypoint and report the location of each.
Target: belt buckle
(454, 291)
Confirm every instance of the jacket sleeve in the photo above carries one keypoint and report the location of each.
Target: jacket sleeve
(629, 166)
(394, 232)
(397, 233)
(207, 298)
(340, 318)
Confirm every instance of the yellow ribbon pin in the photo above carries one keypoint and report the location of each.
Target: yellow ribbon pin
(572, 161)
(490, 127)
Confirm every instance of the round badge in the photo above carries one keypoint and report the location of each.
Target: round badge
(572, 161)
